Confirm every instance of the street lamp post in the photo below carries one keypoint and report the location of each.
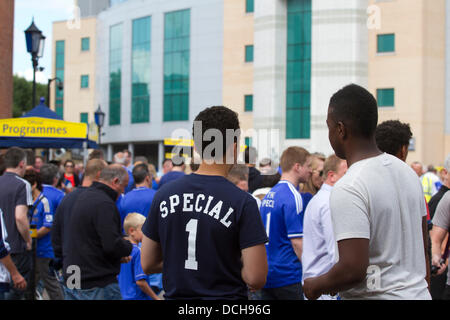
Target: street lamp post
(60, 87)
(35, 46)
(99, 116)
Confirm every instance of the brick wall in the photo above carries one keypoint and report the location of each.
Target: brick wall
(6, 54)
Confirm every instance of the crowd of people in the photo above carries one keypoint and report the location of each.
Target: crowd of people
(358, 224)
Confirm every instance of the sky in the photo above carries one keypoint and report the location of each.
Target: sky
(45, 12)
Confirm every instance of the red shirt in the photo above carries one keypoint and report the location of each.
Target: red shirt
(71, 179)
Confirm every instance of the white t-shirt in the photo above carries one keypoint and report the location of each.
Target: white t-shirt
(381, 199)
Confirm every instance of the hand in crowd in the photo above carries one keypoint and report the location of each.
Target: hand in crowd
(19, 281)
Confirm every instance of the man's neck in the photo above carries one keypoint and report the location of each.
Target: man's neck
(177, 169)
(87, 182)
(362, 149)
(329, 182)
(142, 185)
(214, 169)
(288, 176)
(14, 170)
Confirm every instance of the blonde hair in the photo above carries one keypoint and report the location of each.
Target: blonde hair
(309, 185)
(133, 220)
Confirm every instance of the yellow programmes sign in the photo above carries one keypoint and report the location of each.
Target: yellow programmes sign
(41, 128)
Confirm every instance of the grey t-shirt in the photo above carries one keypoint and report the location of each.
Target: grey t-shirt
(442, 218)
(14, 191)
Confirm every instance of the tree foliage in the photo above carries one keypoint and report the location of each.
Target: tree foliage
(22, 95)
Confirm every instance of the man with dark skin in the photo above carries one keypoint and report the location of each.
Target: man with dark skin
(365, 245)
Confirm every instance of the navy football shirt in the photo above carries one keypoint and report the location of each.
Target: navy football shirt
(202, 223)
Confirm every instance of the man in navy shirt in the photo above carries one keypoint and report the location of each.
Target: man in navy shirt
(282, 213)
(139, 199)
(208, 231)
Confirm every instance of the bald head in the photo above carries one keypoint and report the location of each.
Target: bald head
(417, 167)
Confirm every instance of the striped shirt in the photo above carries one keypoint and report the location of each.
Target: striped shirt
(14, 191)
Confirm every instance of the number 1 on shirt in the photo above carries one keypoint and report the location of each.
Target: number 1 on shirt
(191, 227)
(268, 226)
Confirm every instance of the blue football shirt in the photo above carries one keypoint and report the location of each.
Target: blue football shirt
(53, 194)
(282, 215)
(43, 217)
(202, 223)
(137, 200)
(130, 273)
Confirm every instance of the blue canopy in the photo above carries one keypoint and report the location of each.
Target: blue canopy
(42, 111)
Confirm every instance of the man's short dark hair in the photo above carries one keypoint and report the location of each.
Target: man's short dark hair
(220, 118)
(140, 172)
(392, 135)
(48, 173)
(13, 157)
(357, 109)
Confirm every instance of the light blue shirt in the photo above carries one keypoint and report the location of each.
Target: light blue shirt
(319, 246)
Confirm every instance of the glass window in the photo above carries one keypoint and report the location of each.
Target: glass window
(386, 97)
(298, 78)
(115, 73)
(386, 43)
(249, 6)
(177, 26)
(249, 53)
(59, 72)
(140, 87)
(84, 81)
(85, 44)
(248, 102)
(248, 141)
(84, 117)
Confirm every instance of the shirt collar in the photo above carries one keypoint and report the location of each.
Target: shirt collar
(326, 187)
(108, 190)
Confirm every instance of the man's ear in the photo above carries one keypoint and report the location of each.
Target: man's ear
(116, 181)
(342, 130)
(402, 153)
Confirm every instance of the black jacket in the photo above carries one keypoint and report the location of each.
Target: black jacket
(94, 241)
(254, 179)
(62, 219)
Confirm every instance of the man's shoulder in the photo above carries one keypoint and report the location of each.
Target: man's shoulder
(445, 200)
(11, 180)
(52, 190)
(284, 194)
